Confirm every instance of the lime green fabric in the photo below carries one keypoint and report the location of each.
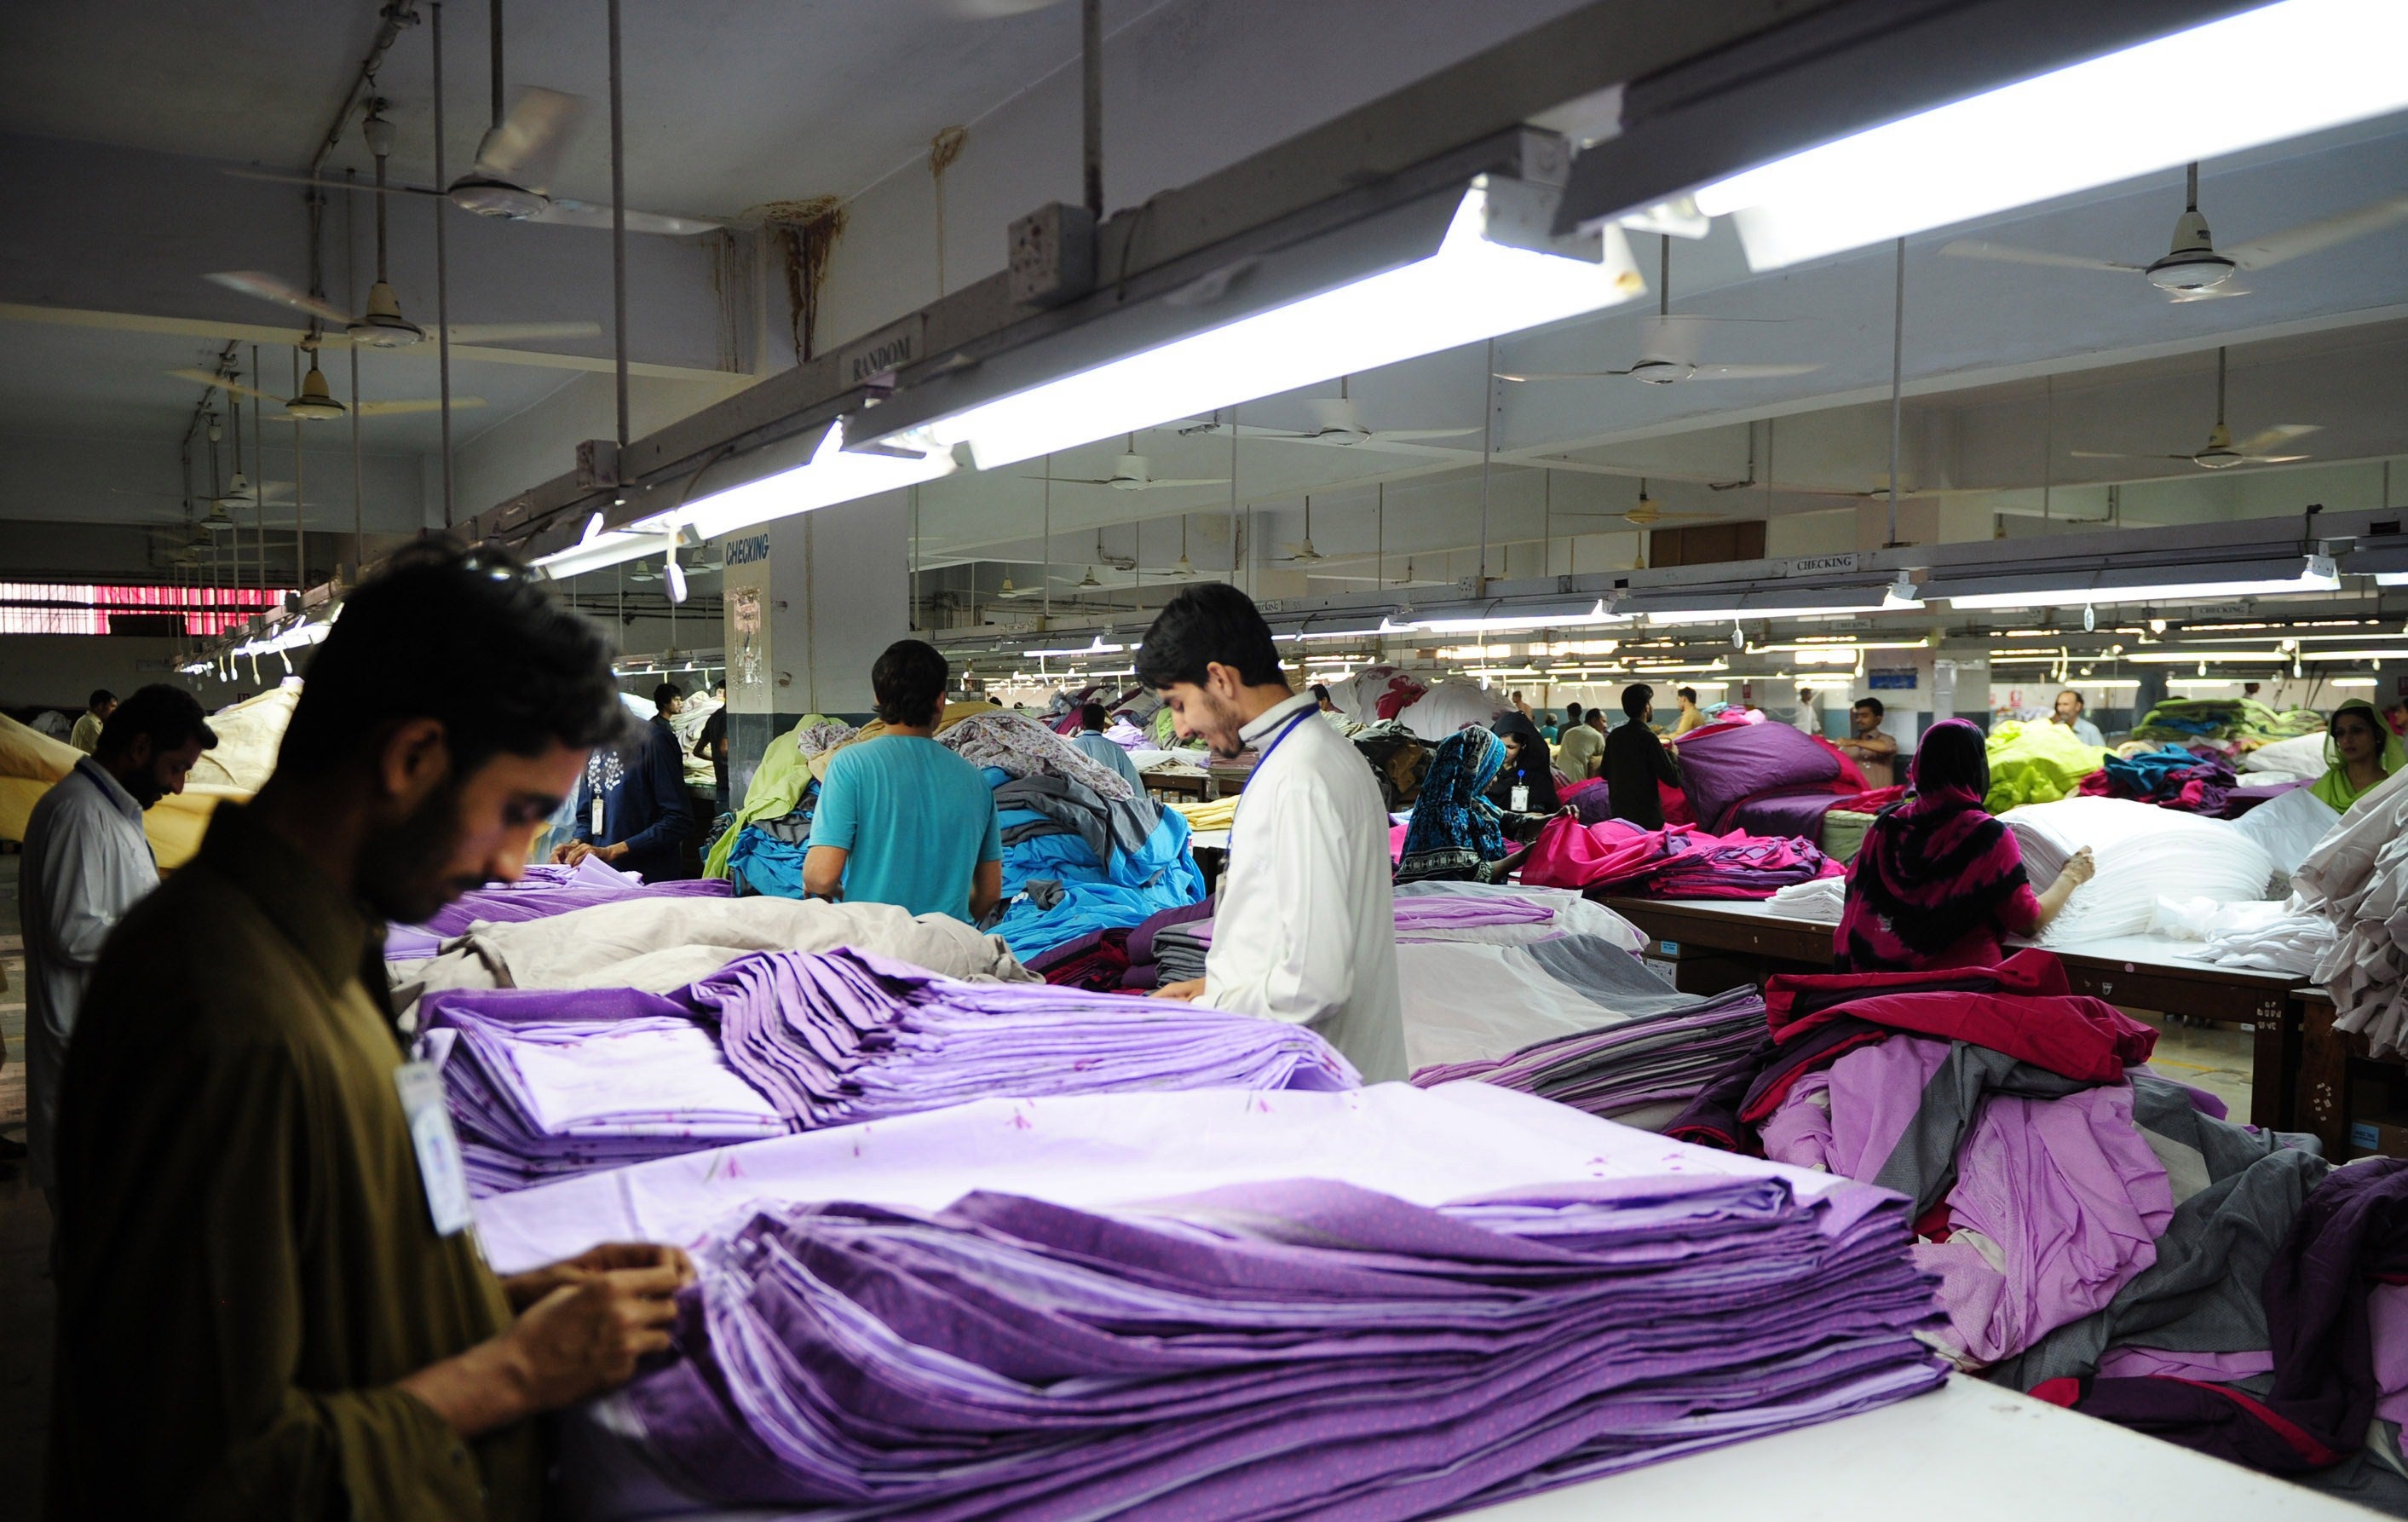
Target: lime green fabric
(776, 787)
(2036, 763)
(2334, 785)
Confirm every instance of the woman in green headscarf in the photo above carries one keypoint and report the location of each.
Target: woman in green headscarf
(2360, 751)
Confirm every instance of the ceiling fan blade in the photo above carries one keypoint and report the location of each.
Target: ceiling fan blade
(1407, 435)
(2006, 253)
(266, 287)
(223, 383)
(564, 212)
(1650, 520)
(2100, 454)
(278, 177)
(1564, 375)
(507, 332)
(2314, 237)
(2282, 433)
(2210, 293)
(2275, 459)
(526, 147)
(425, 404)
(1749, 372)
(1194, 481)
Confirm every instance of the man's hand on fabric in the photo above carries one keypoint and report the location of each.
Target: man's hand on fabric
(1186, 990)
(525, 1289)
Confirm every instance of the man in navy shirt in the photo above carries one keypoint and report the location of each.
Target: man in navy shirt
(632, 807)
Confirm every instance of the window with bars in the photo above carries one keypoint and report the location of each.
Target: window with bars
(87, 608)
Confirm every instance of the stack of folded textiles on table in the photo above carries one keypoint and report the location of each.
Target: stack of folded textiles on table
(1651, 1051)
(1764, 779)
(1210, 813)
(2356, 880)
(2273, 935)
(1271, 1349)
(2143, 853)
(2171, 776)
(2234, 724)
(544, 890)
(2038, 762)
(1077, 860)
(1679, 861)
(1097, 960)
(544, 1084)
(2044, 1164)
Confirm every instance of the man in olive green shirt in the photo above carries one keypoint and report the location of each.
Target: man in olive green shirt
(267, 1303)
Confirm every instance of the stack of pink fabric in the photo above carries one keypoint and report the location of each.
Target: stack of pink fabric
(1679, 861)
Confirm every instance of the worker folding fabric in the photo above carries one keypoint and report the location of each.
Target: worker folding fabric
(2143, 853)
(1274, 1349)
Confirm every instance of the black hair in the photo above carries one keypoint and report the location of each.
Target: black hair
(1872, 705)
(908, 681)
(666, 691)
(1211, 624)
(169, 717)
(99, 696)
(467, 638)
(1572, 712)
(1951, 753)
(1689, 694)
(1635, 699)
(1092, 716)
(1320, 693)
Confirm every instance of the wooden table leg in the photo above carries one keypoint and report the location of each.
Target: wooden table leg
(2322, 1105)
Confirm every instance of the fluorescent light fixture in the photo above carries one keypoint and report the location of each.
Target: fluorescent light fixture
(830, 475)
(1673, 616)
(2353, 682)
(2388, 563)
(2262, 77)
(1094, 647)
(1504, 620)
(2142, 585)
(1479, 282)
(598, 552)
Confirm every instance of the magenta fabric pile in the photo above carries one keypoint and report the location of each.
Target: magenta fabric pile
(1679, 861)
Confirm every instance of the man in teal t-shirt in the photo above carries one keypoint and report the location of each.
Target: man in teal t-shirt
(902, 820)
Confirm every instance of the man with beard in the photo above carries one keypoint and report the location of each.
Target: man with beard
(1306, 927)
(87, 861)
(270, 1303)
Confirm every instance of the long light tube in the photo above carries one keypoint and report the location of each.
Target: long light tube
(1499, 623)
(1474, 287)
(832, 475)
(2274, 73)
(2317, 575)
(1733, 616)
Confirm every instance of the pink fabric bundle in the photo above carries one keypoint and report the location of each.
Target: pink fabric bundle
(1679, 861)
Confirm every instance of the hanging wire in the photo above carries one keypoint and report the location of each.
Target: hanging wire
(1897, 377)
(442, 277)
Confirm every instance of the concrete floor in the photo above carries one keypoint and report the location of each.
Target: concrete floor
(2217, 1058)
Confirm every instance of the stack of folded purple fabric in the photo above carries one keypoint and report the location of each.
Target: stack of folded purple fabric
(545, 890)
(1271, 1350)
(850, 1037)
(1615, 1069)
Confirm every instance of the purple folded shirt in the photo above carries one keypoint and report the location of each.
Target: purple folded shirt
(545, 890)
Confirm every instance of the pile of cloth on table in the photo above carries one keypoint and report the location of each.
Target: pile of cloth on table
(657, 944)
(543, 1084)
(2356, 880)
(1679, 861)
(2037, 762)
(545, 889)
(1765, 779)
(2143, 853)
(2233, 724)
(250, 734)
(1448, 705)
(2169, 776)
(31, 762)
(1079, 853)
(1399, 760)
(2270, 935)
(1272, 1347)
(764, 842)
(2301, 758)
(1209, 813)
(1376, 693)
(2044, 1162)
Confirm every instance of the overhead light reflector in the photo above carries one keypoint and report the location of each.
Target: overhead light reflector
(2145, 584)
(2267, 75)
(1481, 280)
(831, 475)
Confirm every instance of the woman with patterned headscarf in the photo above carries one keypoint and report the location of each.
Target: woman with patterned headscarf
(1455, 833)
(1938, 882)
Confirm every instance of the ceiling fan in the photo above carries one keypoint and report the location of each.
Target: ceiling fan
(314, 402)
(514, 165)
(1133, 473)
(1668, 352)
(1304, 555)
(1335, 421)
(2193, 270)
(382, 325)
(2221, 452)
(1646, 512)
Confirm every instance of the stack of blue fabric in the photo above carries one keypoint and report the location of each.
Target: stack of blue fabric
(1075, 863)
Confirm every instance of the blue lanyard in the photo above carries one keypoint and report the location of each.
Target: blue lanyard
(1261, 761)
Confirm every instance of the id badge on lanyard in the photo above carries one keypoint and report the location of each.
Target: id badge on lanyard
(441, 1171)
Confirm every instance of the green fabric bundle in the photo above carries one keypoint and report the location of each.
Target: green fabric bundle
(2039, 762)
(776, 789)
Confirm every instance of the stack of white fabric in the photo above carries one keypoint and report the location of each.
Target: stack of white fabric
(2301, 756)
(2143, 853)
(1820, 899)
(1449, 706)
(2290, 829)
(2273, 935)
(2357, 880)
